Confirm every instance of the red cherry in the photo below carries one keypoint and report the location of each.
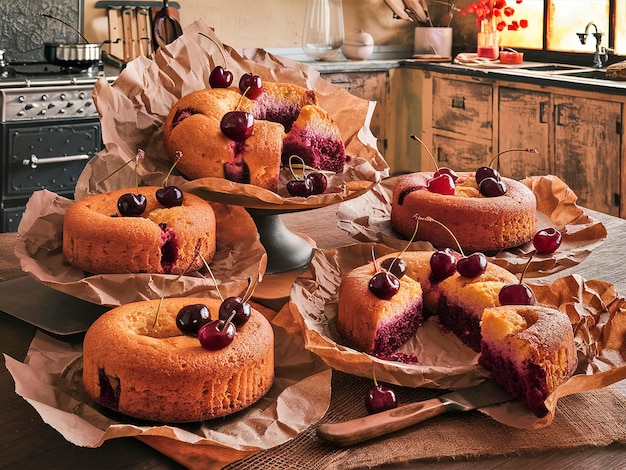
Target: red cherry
(169, 196)
(486, 172)
(443, 264)
(516, 294)
(236, 306)
(442, 184)
(131, 205)
(397, 265)
(472, 266)
(318, 181)
(490, 187)
(380, 398)
(251, 85)
(216, 335)
(220, 78)
(384, 285)
(190, 318)
(446, 171)
(299, 188)
(237, 125)
(547, 241)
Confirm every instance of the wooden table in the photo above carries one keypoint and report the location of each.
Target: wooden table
(26, 442)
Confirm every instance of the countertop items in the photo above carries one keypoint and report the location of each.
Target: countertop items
(588, 432)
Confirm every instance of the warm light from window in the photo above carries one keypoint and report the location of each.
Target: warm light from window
(530, 37)
(568, 17)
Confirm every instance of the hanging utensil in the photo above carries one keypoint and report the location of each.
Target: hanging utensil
(418, 10)
(397, 7)
(144, 31)
(114, 14)
(166, 28)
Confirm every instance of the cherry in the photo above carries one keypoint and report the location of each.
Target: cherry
(237, 125)
(220, 78)
(300, 188)
(384, 285)
(216, 334)
(169, 196)
(251, 85)
(490, 187)
(318, 181)
(131, 205)
(396, 266)
(443, 264)
(516, 294)
(546, 241)
(380, 398)
(486, 172)
(472, 266)
(236, 308)
(446, 171)
(190, 318)
(442, 184)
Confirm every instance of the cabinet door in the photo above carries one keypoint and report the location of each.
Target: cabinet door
(372, 86)
(524, 121)
(460, 155)
(462, 107)
(587, 150)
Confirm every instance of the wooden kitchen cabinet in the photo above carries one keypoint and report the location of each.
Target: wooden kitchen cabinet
(372, 86)
(577, 134)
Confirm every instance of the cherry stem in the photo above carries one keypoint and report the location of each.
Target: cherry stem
(374, 376)
(241, 99)
(414, 137)
(406, 247)
(430, 219)
(212, 277)
(219, 48)
(297, 157)
(228, 320)
(526, 267)
(251, 286)
(497, 156)
(177, 156)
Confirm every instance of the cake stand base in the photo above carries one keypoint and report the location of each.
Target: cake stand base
(286, 251)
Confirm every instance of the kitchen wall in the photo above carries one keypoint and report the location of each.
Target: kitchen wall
(270, 23)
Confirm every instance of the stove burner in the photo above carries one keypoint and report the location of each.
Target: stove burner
(36, 69)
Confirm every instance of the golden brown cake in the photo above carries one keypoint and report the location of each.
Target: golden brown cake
(480, 223)
(529, 350)
(193, 128)
(373, 325)
(98, 240)
(154, 372)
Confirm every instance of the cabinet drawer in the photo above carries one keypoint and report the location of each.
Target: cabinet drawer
(461, 155)
(463, 107)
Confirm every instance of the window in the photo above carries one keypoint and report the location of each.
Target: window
(553, 25)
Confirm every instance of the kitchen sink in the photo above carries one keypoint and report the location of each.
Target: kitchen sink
(597, 74)
(551, 67)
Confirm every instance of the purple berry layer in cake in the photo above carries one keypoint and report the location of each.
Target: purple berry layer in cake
(394, 333)
(456, 320)
(318, 149)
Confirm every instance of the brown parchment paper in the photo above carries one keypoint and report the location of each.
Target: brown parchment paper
(133, 109)
(239, 256)
(367, 219)
(597, 314)
(50, 380)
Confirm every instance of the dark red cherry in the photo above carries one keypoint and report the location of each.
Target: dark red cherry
(486, 172)
(236, 308)
(318, 181)
(397, 266)
(299, 188)
(131, 205)
(547, 241)
(251, 85)
(220, 78)
(446, 171)
(190, 318)
(490, 187)
(472, 266)
(384, 285)
(169, 196)
(516, 294)
(237, 125)
(442, 184)
(443, 264)
(216, 334)
(380, 398)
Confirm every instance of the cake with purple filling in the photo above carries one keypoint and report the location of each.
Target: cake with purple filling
(373, 325)
(99, 240)
(529, 350)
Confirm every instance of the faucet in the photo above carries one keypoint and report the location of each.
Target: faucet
(601, 54)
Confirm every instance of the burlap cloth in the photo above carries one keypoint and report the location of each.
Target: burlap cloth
(591, 419)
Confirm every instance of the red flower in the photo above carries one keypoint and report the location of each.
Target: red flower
(498, 10)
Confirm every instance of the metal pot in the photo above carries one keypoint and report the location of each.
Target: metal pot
(72, 54)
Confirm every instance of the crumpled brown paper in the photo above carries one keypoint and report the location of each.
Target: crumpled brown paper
(239, 256)
(444, 362)
(367, 219)
(133, 109)
(50, 380)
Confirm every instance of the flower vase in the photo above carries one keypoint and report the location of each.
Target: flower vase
(488, 39)
(323, 33)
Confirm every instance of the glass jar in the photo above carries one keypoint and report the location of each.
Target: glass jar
(488, 39)
(323, 29)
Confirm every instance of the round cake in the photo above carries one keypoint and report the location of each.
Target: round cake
(530, 347)
(137, 362)
(480, 223)
(193, 128)
(98, 240)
